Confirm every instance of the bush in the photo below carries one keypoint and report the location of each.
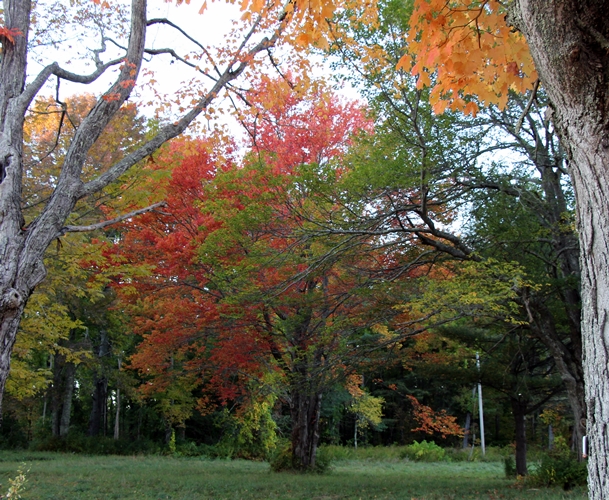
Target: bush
(509, 465)
(493, 454)
(559, 467)
(424, 452)
(281, 460)
(369, 453)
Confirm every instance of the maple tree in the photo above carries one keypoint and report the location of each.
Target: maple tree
(226, 304)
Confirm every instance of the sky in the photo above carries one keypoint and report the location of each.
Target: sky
(210, 28)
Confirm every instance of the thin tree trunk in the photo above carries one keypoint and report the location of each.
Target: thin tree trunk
(118, 407)
(468, 423)
(519, 413)
(117, 414)
(68, 392)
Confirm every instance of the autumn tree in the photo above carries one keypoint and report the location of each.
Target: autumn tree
(438, 166)
(227, 304)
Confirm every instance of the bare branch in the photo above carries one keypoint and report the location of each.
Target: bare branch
(175, 129)
(527, 108)
(198, 44)
(34, 87)
(111, 222)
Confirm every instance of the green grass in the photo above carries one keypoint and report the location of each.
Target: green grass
(75, 477)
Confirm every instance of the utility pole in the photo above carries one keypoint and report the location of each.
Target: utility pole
(481, 411)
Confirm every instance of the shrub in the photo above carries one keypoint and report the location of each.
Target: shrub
(98, 445)
(559, 467)
(492, 454)
(509, 465)
(369, 453)
(281, 460)
(17, 484)
(424, 452)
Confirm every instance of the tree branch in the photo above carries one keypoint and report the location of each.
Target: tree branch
(106, 223)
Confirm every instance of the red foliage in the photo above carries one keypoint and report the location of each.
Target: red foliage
(193, 320)
(434, 422)
(293, 131)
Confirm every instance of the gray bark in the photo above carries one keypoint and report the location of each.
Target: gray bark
(22, 247)
(569, 42)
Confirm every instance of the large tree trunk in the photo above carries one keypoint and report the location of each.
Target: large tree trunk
(569, 41)
(99, 403)
(305, 409)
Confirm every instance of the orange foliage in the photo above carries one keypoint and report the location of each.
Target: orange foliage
(8, 35)
(434, 422)
(471, 50)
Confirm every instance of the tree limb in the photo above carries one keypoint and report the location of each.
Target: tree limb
(116, 220)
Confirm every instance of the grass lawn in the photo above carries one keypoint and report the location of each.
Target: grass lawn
(75, 477)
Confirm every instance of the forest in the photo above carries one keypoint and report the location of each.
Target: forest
(265, 264)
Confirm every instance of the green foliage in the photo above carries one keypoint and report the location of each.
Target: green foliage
(171, 446)
(509, 465)
(475, 289)
(559, 467)
(98, 445)
(424, 452)
(367, 453)
(368, 410)
(492, 454)
(251, 435)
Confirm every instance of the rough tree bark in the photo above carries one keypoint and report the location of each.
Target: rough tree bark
(569, 41)
(61, 395)
(305, 389)
(305, 411)
(22, 247)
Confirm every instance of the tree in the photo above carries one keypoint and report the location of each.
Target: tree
(574, 73)
(448, 161)
(222, 305)
(23, 243)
